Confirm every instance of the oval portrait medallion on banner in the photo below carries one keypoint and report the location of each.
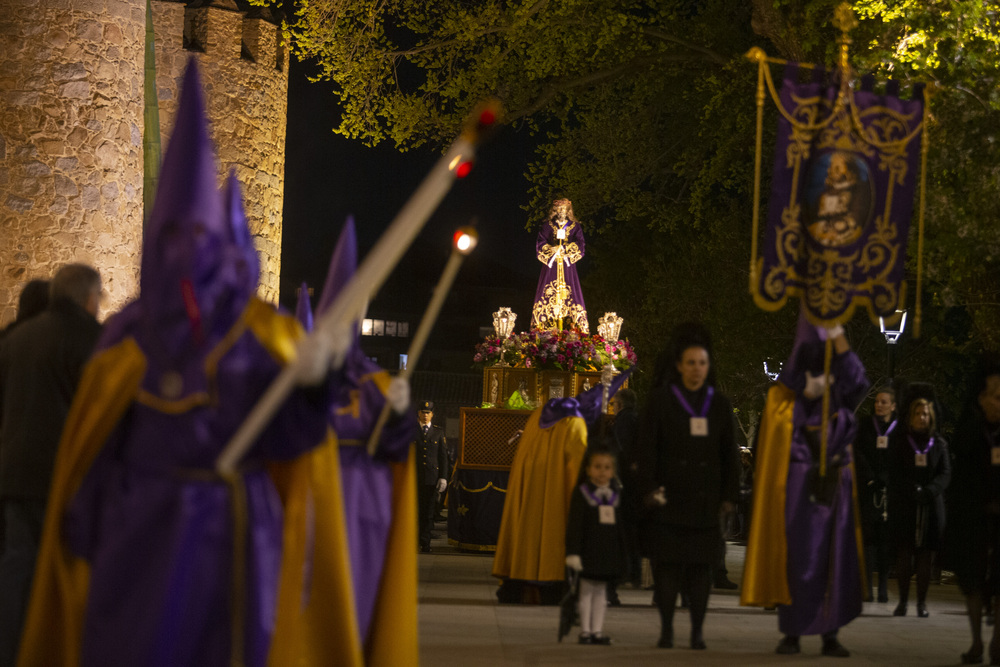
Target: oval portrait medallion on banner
(838, 198)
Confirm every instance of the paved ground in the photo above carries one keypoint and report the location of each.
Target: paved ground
(461, 623)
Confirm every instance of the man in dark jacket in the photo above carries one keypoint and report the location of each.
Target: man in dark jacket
(432, 468)
(41, 362)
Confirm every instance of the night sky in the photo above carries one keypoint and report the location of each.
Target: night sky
(328, 177)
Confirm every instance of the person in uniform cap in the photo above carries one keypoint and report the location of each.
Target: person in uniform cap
(432, 466)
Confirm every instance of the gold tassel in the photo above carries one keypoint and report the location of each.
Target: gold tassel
(924, 149)
(761, 64)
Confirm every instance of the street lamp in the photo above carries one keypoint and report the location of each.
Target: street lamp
(892, 336)
(772, 375)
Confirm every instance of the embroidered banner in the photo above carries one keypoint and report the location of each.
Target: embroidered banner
(845, 173)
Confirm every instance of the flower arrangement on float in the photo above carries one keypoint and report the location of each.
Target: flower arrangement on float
(567, 350)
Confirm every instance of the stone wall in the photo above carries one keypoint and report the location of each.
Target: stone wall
(70, 142)
(246, 88)
(71, 126)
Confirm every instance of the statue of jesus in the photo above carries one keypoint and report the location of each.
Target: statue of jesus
(560, 245)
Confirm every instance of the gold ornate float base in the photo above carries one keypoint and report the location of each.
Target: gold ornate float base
(536, 386)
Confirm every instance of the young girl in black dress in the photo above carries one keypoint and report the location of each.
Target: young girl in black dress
(595, 541)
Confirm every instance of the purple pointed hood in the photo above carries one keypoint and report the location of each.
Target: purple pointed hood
(188, 229)
(342, 266)
(241, 265)
(303, 309)
(343, 263)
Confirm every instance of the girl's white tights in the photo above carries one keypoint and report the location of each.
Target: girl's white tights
(591, 604)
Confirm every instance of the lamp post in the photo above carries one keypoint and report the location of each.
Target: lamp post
(891, 337)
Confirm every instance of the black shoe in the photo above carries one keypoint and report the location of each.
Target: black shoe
(900, 609)
(666, 640)
(697, 642)
(971, 657)
(788, 646)
(922, 610)
(835, 649)
(603, 640)
(883, 598)
(585, 639)
(425, 548)
(614, 601)
(725, 584)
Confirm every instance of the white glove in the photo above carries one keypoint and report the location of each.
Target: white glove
(552, 261)
(567, 261)
(659, 497)
(830, 333)
(312, 360)
(815, 384)
(573, 562)
(398, 395)
(442, 485)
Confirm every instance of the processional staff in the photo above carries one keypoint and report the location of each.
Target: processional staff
(350, 303)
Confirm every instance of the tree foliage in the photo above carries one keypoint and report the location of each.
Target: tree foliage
(643, 115)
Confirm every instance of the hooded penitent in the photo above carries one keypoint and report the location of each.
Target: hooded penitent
(138, 563)
(368, 482)
(804, 552)
(531, 544)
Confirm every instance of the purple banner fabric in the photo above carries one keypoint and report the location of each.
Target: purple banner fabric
(845, 172)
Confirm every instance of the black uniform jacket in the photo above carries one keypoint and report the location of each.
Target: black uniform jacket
(432, 455)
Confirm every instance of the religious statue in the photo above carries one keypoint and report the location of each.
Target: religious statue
(560, 246)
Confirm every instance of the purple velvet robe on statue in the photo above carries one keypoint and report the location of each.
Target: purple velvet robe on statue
(151, 517)
(543, 314)
(824, 567)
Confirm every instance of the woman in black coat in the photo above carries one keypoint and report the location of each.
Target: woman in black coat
(688, 474)
(919, 472)
(973, 534)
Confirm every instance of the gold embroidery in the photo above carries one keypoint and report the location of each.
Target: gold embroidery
(828, 274)
(277, 333)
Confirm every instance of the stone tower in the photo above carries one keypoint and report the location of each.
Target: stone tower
(71, 124)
